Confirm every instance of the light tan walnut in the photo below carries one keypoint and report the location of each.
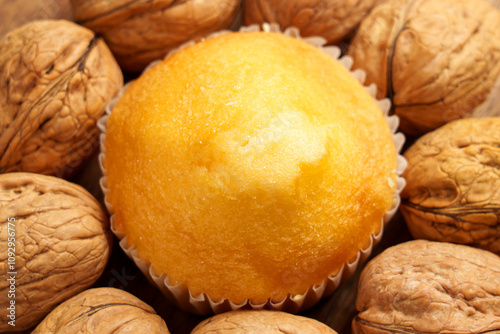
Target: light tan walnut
(333, 20)
(436, 60)
(55, 242)
(452, 188)
(140, 31)
(429, 287)
(56, 79)
(102, 311)
(260, 321)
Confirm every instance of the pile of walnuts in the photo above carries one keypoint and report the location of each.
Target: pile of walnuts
(438, 62)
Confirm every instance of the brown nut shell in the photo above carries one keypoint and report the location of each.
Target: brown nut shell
(429, 287)
(102, 311)
(139, 31)
(60, 240)
(453, 184)
(333, 20)
(436, 60)
(260, 321)
(55, 81)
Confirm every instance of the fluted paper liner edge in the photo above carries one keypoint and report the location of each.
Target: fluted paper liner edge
(202, 304)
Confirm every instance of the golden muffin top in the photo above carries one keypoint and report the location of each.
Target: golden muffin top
(250, 165)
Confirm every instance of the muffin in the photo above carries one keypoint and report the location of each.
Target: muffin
(248, 168)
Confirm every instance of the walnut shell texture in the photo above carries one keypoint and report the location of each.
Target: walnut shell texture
(436, 60)
(62, 243)
(140, 31)
(429, 287)
(103, 311)
(453, 184)
(333, 20)
(260, 321)
(56, 79)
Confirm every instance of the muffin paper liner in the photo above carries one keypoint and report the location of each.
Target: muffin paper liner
(201, 304)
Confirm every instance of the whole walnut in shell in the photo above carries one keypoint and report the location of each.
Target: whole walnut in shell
(140, 31)
(58, 239)
(429, 287)
(333, 20)
(102, 311)
(56, 79)
(453, 184)
(436, 60)
(260, 321)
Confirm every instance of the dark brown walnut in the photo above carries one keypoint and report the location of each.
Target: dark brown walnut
(452, 188)
(56, 79)
(55, 242)
(140, 31)
(103, 311)
(429, 287)
(333, 20)
(436, 60)
(261, 321)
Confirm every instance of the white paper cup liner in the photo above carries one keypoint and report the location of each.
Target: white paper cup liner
(180, 294)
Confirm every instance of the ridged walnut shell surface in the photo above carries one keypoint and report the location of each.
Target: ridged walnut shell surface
(333, 20)
(56, 79)
(429, 287)
(103, 311)
(260, 321)
(436, 60)
(453, 184)
(62, 244)
(141, 31)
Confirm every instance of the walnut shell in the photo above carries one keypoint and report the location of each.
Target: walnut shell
(429, 287)
(333, 20)
(453, 184)
(436, 60)
(56, 79)
(140, 31)
(260, 321)
(102, 311)
(62, 243)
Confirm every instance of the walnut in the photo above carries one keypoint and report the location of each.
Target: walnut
(260, 321)
(139, 31)
(102, 311)
(429, 287)
(333, 20)
(55, 81)
(436, 60)
(58, 241)
(453, 184)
